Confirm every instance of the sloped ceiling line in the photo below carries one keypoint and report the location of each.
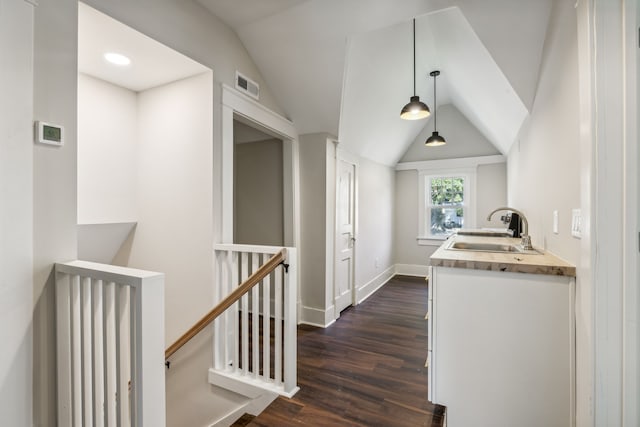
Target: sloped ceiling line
(340, 66)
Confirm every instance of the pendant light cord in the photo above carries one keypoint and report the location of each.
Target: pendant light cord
(414, 56)
(435, 106)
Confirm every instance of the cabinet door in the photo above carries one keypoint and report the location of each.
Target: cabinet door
(430, 319)
(502, 340)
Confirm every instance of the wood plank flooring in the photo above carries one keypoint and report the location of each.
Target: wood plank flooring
(367, 369)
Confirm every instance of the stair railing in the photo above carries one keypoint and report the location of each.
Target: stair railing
(110, 338)
(255, 324)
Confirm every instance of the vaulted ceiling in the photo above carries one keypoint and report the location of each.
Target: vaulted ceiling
(345, 66)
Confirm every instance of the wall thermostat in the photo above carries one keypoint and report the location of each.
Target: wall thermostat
(50, 134)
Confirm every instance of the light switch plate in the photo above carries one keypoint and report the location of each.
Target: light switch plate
(555, 222)
(576, 223)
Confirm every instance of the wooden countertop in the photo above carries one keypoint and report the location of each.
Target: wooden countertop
(541, 263)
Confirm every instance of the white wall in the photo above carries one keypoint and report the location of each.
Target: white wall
(313, 287)
(406, 248)
(258, 193)
(174, 196)
(543, 166)
(463, 139)
(107, 152)
(491, 192)
(544, 169)
(375, 211)
(175, 230)
(185, 26)
(16, 212)
(54, 185)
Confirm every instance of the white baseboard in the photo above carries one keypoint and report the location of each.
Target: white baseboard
(317, 317)
(374, 284)
(412, 270)
(324, 318)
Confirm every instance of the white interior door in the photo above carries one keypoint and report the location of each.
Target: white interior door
(345, 238)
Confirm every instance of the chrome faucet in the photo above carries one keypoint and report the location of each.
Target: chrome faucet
(526, 239)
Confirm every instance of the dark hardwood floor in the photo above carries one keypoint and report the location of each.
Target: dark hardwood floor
(367, 369)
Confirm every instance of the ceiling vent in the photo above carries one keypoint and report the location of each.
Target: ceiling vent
(248, 86)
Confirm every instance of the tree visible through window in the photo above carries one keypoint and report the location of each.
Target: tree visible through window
(445, 205)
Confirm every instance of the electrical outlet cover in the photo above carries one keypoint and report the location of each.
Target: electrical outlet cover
(555, 222)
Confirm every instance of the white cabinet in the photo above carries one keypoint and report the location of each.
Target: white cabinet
(501, 347)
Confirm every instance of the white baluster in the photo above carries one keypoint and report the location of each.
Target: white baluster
(219, 325)
(111, 354)
(290, 300)
(278, 326)
(87, 352)
(76, 338)
(124, 360)
(64, 350)
(98, 353)
(245, 314)
(255, 319)
(234, 311)
(266, 326)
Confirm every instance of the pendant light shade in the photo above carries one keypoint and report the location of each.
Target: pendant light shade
(415, 109)
(435, 140)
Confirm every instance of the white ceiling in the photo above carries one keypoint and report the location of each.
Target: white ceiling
(152, 63)
(321, 57)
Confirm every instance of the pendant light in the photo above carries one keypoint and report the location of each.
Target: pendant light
(435, 139)
(415, 109)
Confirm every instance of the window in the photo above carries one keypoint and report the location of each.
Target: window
(445, 203)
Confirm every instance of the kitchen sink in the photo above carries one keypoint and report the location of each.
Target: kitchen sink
(484, 233)
(488, 247)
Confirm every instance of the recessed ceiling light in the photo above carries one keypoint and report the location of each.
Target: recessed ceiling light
(117, 59)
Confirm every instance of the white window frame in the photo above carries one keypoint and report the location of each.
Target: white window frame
(424, 178)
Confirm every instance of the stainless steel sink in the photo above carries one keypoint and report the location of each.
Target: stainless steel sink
(488, 247)
(484, 233)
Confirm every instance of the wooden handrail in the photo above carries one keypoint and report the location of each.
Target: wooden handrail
(234, 296)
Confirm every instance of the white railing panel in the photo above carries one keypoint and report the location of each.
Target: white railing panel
(97, 307)
(267, 312)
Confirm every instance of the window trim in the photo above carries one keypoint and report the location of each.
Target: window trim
(425, 238)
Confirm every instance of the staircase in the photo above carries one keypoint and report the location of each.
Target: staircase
(110, 325)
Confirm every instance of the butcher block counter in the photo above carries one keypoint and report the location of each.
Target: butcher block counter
(533, 262)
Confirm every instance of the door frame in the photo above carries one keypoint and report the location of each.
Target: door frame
(609, 271)
(235, 104)
(352, 159)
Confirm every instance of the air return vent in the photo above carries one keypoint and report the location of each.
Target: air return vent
(247, 86)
